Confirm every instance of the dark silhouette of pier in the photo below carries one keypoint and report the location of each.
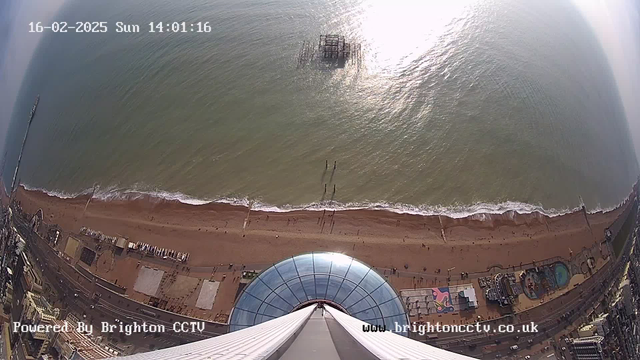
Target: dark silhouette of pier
(32, 113)
(333, 51)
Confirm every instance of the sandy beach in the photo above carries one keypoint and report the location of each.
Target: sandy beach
(422, 248)
(222, 233)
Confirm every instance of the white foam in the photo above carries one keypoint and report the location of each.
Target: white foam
(478, 210)
(57, 193)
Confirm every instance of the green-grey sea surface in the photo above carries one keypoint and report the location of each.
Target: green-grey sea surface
(455, 105)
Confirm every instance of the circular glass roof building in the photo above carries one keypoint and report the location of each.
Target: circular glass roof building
(333, 278)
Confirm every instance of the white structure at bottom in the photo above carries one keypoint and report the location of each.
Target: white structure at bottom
(588, 348)
(312, 333)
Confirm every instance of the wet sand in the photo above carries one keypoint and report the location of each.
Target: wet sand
(222, 233)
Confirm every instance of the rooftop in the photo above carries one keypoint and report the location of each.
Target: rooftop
(588, 339)
(41, 303)
(84, 346)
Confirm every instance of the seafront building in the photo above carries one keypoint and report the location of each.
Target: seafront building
(30, 279)
(75, 345)
(588, 348)
(624, 325)
(37, 311)
(623, 316)
(68, 345)
(615, 333)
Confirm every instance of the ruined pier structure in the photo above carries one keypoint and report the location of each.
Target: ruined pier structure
(331, 49)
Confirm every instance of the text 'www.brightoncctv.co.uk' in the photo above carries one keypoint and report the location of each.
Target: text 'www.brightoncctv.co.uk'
(429, 328)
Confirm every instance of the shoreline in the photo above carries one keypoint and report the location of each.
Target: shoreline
(454, 211)
(222, 239)
(217, 233)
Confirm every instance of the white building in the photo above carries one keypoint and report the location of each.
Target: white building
(312, 333)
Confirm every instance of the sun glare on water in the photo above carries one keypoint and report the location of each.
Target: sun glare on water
(397, 33)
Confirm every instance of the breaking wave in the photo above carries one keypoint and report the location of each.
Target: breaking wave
(456, 211)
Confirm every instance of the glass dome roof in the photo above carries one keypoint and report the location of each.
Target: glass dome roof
(336, 278)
